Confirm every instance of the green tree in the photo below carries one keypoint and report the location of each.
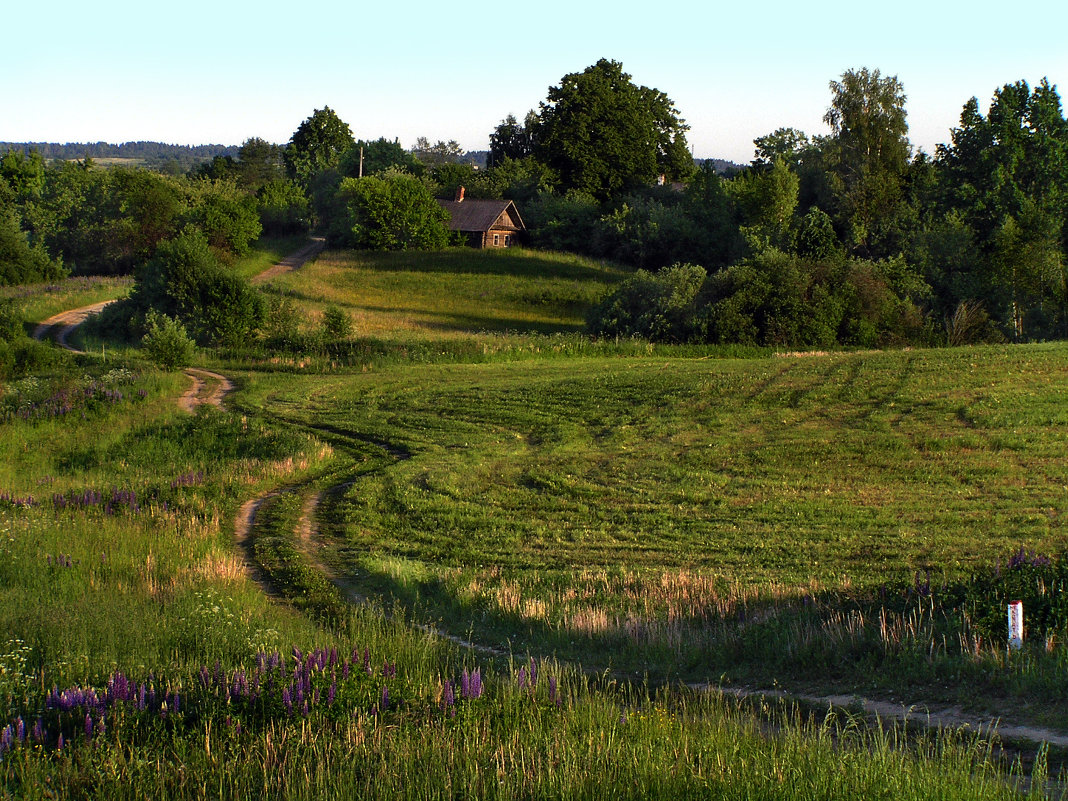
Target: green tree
(258, 162)
(1006, 177)
(391, 211)
(510, 140)
(21, 262)
(284, 208)
(434, 155)
(378, 155)
(766, 200)
(785, 144)
(228, 217)
(185, 281)
(601, 133)
(867, 154)
(317, 145)
(660, 307)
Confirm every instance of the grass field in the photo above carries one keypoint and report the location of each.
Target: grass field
(674, 513)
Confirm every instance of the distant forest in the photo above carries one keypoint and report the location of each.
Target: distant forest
(174, 159)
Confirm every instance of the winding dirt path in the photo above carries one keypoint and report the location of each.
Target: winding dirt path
(207, 387)
(65, 322)
(294, 261)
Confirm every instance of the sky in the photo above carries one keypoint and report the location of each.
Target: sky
(219, 72)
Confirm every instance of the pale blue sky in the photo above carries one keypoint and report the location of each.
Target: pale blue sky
(219, 72)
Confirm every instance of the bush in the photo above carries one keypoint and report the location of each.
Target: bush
(393, 212)
(166, 342)
(336, 323)
(660, 307)
(186, 282)
(21, 262)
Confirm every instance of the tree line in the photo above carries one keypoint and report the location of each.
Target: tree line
(850, 237)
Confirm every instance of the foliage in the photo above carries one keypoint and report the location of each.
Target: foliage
(336, 323)
(867, 154)
(378, 156)
(317, 145)
(185, 281)
(437, 154)
(21, 262)
(656, 306)
(166, 342)
(1005, 180)
(228, 218)
(283, 208)
(394, 211)
(510, 140)
(1039, 581)
(766, 200)
(601, 133)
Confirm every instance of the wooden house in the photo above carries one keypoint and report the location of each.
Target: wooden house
(486, 223)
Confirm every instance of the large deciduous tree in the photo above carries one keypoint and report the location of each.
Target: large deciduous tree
(391, 211)
(317, 145)
(601, 132)
(867, 154)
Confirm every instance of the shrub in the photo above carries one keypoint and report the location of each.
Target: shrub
(186, 282)
(393, 212)
(660, 307)
(166, 342)
(336, 323)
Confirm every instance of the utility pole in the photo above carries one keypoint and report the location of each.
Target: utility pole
(361, 161)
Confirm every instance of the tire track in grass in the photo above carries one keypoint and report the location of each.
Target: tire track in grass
(207, 387)
(875, 711)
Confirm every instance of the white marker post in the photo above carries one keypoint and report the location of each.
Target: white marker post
(1016, 625)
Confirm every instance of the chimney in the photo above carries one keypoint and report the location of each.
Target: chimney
(459, 194)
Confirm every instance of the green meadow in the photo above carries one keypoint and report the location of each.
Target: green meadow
(495, 558)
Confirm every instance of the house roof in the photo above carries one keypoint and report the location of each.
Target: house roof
(481, 215)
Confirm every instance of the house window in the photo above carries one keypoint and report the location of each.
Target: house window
(507, 240)
(496, 240)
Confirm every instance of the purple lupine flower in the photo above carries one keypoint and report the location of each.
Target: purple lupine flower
(88, 725)
(331, 694)
(384, 703)
(59, 742)
(476, 683)
(38, 731)
(176, 700)
(448, 698)
(101, 728)
(522, 678)
(344, 669)
(287, 701)
(7, 738)
(20, 729)
(552, 691)
(533, 672)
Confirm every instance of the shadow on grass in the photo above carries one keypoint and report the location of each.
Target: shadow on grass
(515, 261)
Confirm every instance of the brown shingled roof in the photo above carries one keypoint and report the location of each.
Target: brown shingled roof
(479, 215)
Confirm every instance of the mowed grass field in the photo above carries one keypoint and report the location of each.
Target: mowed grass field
(663, 512)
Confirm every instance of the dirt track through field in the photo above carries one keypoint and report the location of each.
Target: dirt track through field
(916, 714)
(209, 387)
